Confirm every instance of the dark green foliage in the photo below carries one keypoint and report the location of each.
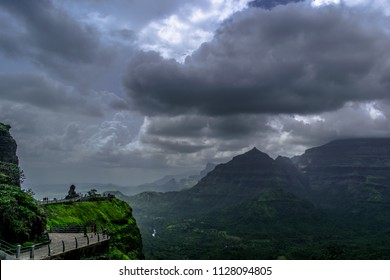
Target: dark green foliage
(21, 217)
(4, 128)
(10, 173)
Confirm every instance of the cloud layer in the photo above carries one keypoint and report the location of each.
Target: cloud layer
(125, 91)
(293, 59)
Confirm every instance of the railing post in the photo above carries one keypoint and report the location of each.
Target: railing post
(76, 242)
(87, 240)
(48, 250)
(32, 249)
(18, 247)
(63, 246)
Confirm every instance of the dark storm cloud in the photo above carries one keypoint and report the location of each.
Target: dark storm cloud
(50, 38)
(193, 126)
(193, 133)
(44, 93)
(269, 4)
(35, 90)
(53, 31)
(176, 146)
(353, 120)
(292, 59)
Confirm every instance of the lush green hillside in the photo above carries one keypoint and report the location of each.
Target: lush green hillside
(115, 215)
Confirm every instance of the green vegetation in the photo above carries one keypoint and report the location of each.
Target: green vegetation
(4, 127)
(115, 215)
(22, 218)
(10, 173)
(286, 228)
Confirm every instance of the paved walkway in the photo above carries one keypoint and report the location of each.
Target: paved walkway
(56, 245)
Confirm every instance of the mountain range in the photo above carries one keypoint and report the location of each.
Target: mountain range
(331, 202)
(165, 184)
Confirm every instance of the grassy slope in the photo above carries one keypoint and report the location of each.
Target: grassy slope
(113, 214)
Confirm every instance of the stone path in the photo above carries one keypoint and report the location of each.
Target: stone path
(56, 245)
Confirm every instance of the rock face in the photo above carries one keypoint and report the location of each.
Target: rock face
(9, 170)
(7, 145)
(349, 171)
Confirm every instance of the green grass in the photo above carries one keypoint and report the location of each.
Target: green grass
(113, 214)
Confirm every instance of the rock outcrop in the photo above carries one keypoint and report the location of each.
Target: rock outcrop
(349, 171)
(9, 170)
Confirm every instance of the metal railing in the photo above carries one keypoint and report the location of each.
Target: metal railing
(74, 244)
(48, 249)
(76, 199)
(7, 247)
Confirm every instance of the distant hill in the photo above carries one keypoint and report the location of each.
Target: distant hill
(242, 178)
(250, 174)
(171, 183)
(166, 184)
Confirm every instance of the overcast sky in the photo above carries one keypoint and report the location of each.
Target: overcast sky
(125, 91)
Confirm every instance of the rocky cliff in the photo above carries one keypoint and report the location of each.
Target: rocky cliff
(7, 145)
(9, 170)
(348, 171)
